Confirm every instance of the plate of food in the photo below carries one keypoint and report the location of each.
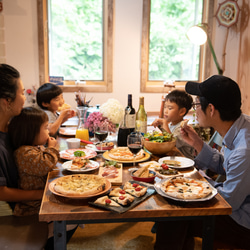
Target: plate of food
(162, 170)
(79, 165)
(100, 147)
(185, 189)
(79, 186)
(112, 171)
(67, 131)
(177, 162)
(70, 154)
(124, 155)
(125, 197)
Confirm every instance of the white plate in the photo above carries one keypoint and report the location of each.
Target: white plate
(185, 162)
(67, 165)
(93, 147)
(69, 131)
(159, 191)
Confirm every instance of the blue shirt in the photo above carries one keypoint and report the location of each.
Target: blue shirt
(234, 162)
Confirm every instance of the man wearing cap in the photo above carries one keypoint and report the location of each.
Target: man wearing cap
(218, 105)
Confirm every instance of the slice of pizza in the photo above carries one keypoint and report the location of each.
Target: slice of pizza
(135, 189)
(79, 163)
(105, 200)
(118, 192)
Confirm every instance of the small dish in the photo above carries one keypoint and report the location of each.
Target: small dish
(144, 179)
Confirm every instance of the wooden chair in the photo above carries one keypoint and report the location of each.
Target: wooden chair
(22, 233)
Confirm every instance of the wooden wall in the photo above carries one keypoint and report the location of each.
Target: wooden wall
(244, 57)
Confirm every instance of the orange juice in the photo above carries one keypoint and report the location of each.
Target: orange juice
(82, 133)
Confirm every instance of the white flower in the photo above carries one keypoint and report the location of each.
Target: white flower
(113, 110)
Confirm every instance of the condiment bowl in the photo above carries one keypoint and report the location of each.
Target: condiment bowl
(144, 179)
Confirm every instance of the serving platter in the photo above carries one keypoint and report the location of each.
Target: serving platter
(184, 162)
(68, 154)
(107, 157)
(93, 147)
(93, 165)
(52, 190)
(160, 192)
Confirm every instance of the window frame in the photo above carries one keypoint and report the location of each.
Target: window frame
(205, 54)
(106, 85)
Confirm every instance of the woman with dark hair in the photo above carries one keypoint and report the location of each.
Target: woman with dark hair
(33, 160)
(12, 99)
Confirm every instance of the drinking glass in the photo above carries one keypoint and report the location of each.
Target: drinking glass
(101, 133)
(135, 143)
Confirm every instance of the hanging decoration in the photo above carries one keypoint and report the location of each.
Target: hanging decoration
(228, 13)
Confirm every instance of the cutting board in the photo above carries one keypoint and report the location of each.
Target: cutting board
(114, 181)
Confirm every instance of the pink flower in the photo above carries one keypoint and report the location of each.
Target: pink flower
(96, 119)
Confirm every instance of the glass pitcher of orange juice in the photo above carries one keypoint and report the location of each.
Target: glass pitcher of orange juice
(82, 131)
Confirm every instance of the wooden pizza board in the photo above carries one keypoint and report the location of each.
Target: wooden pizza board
(114, 181)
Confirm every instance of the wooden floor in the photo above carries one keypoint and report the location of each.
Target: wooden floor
(116, 236)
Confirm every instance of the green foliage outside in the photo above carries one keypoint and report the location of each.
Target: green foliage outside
(172, 56)
(76, 35)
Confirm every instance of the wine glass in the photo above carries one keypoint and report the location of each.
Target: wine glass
(101, 133)
(134, 143)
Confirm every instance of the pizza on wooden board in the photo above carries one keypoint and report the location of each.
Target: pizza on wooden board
(124, 154)
(80, 185)
(186, 188)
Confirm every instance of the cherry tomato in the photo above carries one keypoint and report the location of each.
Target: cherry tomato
(164, 166)
(107, 201)
(135, 185)
(121, 197)
(138, 189)
(122, 192)
(146, 139)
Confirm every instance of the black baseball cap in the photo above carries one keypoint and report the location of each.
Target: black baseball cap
(221, 91)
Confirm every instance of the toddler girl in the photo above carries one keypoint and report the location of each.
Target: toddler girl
(29, 132)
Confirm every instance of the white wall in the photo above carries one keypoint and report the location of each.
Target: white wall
(20, 19)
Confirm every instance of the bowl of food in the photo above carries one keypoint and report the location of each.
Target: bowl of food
(143, 174)
(104, 145)
(159, 142)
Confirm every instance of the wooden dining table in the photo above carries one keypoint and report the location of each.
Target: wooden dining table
(63, 210)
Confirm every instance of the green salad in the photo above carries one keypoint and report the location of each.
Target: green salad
(156, 136)
(79, 153)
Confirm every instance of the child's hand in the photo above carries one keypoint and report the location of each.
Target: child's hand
(157, 122)
(52, 143)
(66, 114)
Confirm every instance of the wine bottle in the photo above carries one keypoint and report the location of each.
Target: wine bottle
(129, 114)
(141, 118)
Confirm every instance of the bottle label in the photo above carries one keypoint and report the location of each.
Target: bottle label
(141, 126)
(130, 121)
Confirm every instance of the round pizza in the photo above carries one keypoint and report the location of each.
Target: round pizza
(80, 185)
(124, 154)
(186, 188)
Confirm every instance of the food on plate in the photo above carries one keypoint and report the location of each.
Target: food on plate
(172, 163)
(78, 163)
(76, 185)
(184, 123)
(79, 153)
(166, 170)
(124, 154)
(104, 145)
(69, 154)
(105, 200)
(186, 188)
(121, 197)
(64, 106)
(110, 172)
(150, 164)
(135, 189)
(143, 172)
(157, 136)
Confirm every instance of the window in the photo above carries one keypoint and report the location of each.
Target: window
(167, 54)
(76, 42)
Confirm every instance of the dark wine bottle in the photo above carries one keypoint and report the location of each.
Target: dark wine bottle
(129, 118)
